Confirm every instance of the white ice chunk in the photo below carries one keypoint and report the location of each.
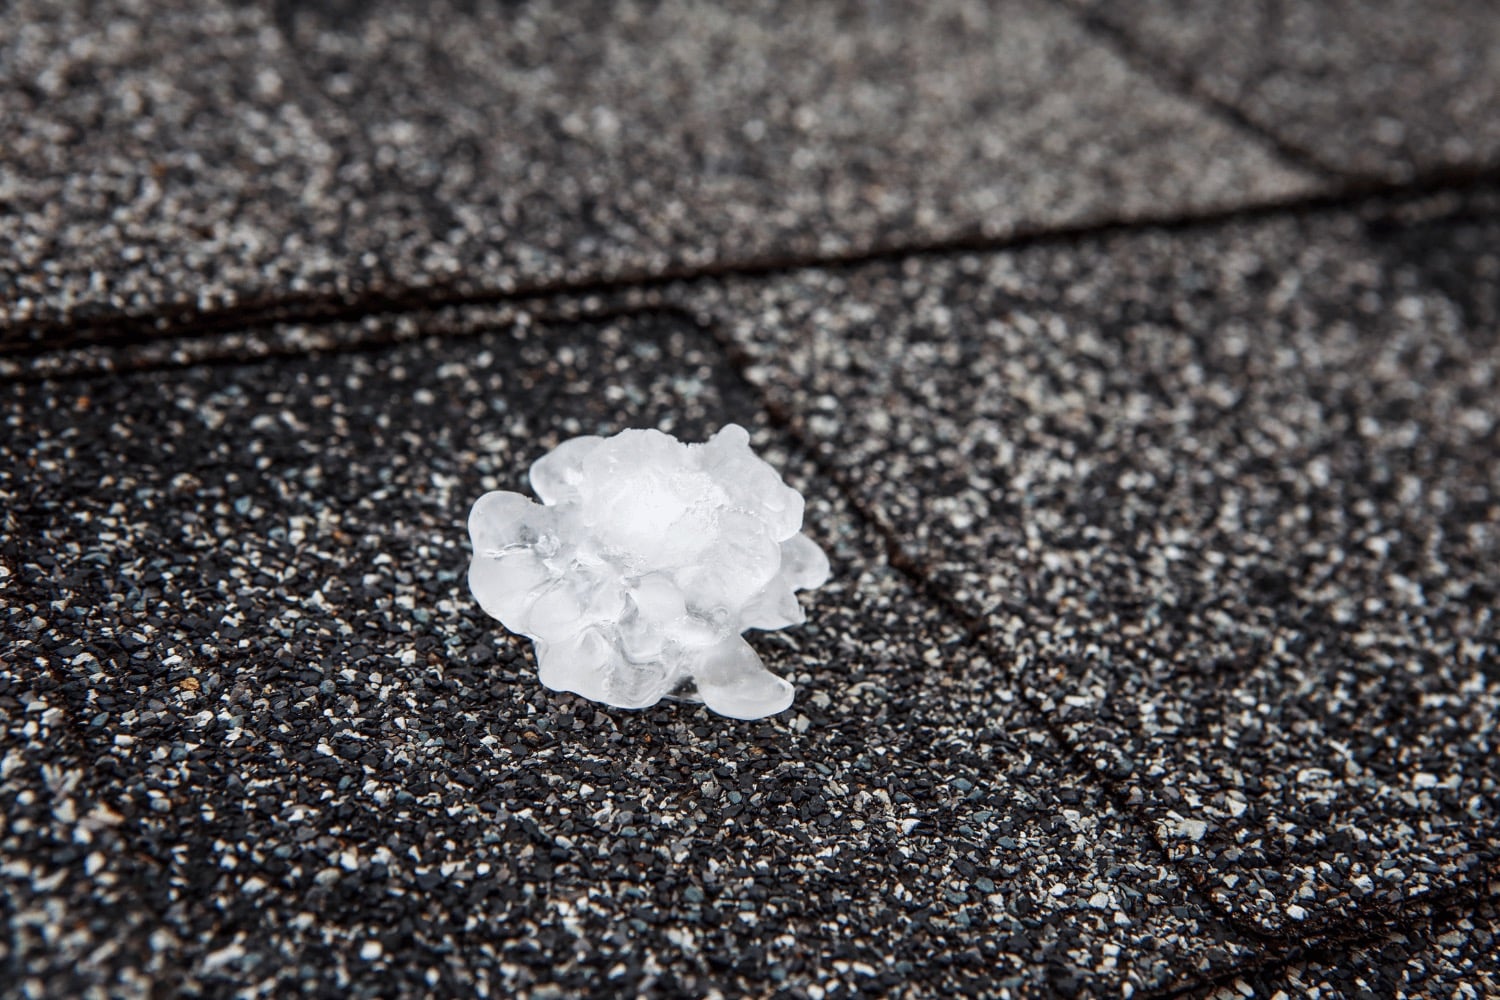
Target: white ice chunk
(643, 564)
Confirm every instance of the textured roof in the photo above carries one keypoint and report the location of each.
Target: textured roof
(214, 155)
(1153, 434)
(1387, 88)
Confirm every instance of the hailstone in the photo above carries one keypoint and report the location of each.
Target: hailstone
(643, 564)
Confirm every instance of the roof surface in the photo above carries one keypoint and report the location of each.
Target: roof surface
(1140, 374)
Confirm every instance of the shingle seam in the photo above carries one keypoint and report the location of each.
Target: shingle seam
(563, 310)
(1185, 84)
(1277, 948)
(976, 629)
(1354, 932)
(185, 318)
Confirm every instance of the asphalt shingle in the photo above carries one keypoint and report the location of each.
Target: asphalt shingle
(1437, 954)
(217, 155)
(1376, 88)
(1160, 654)
(1227, 503)
(257, 731)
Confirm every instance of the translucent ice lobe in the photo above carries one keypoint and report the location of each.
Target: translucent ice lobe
(508, 520)
(803, 564)
(646, 560)
(590, 665)
(773, 608)
(507, 571)
(655, 606)
(646, 518)
(557, 475)
(657, 598)
(754, 484)
(506, 586)
(741, 562)
(732, 681)
(578, 664)
(731, 438)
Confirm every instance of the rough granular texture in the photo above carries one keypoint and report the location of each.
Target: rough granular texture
(1227, 503)
(1386, 88)
(1138, 366)
(211, 154)
(253, 735)
(1441, 952)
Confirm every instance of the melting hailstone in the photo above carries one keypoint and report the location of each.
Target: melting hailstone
(644, 562)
